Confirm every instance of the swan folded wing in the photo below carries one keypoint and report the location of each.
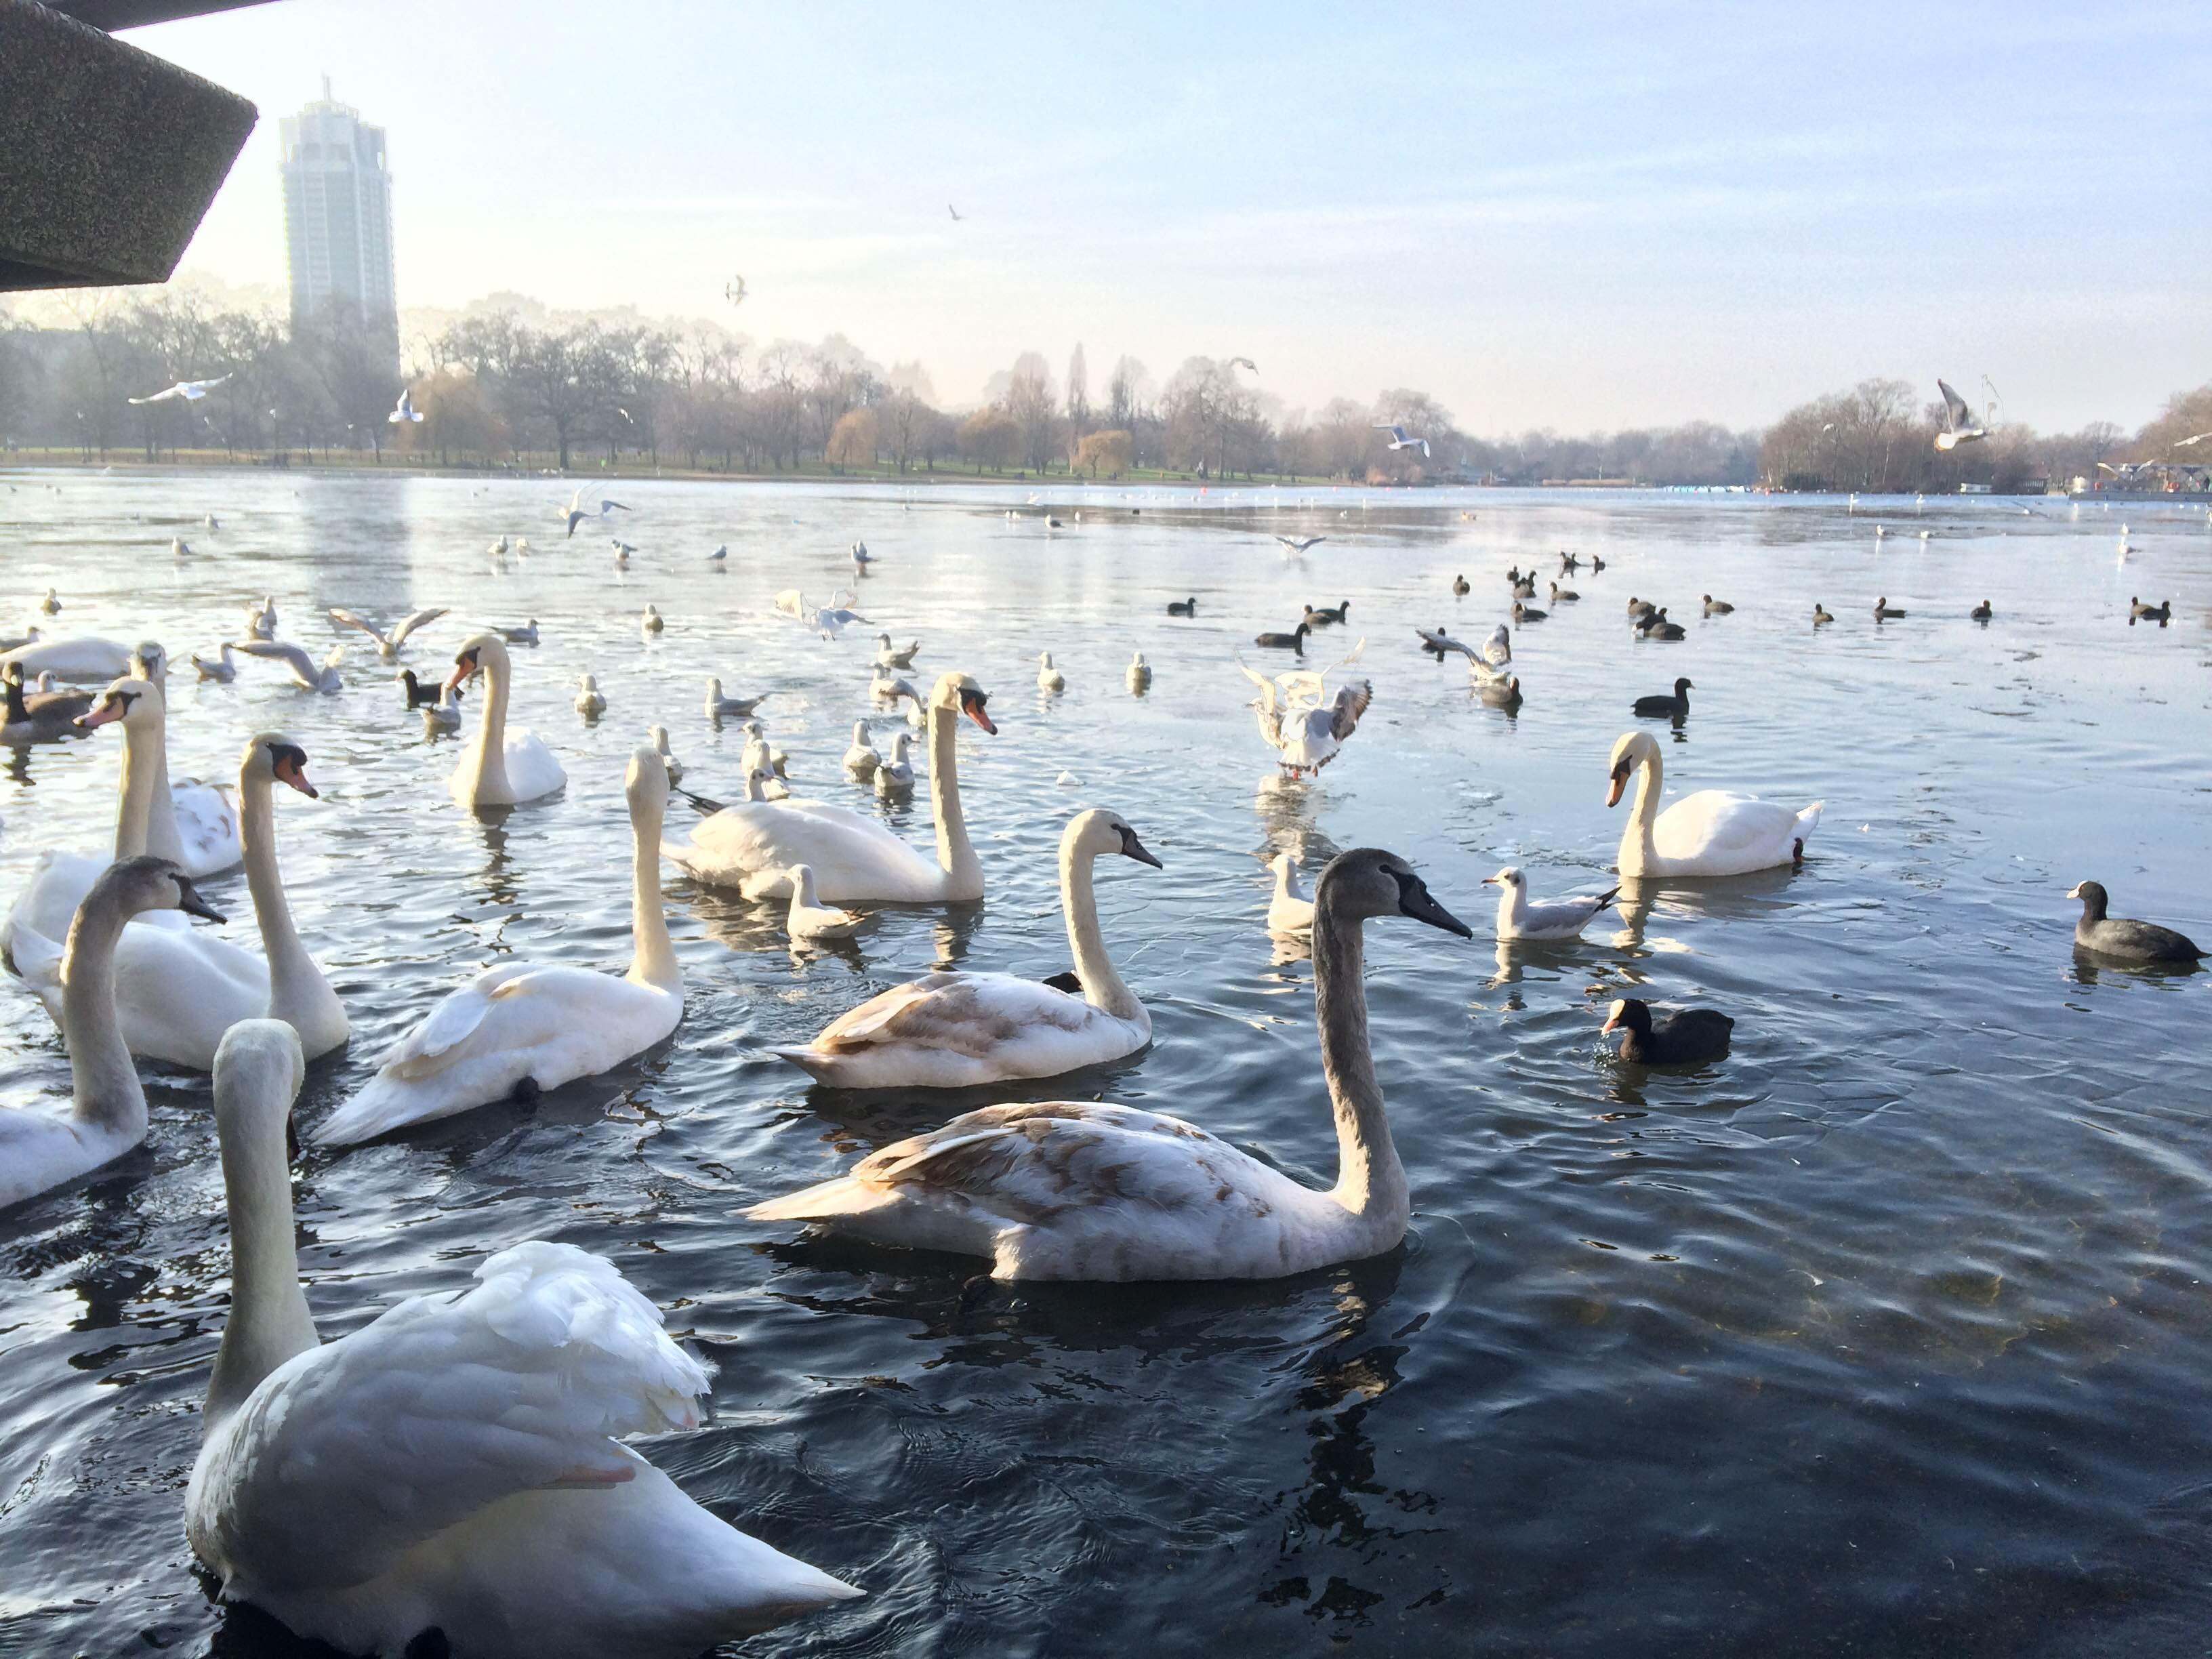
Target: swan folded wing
(445, 1036)
(1720, 825)
(1030, 1163)
(966, 1013)
(350, 1455)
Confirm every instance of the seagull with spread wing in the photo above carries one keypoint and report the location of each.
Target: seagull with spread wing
(1296, 545)
(829, 621)
(387, 645)
(406, 410)
(1400, 440)
(306, 672)
(1306, 727)
(1960, 426)
(576, 511)
(191, 391)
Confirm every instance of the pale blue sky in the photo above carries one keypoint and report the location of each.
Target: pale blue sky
(1580, 217)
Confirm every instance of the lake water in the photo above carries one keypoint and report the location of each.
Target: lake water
(1886, 1334)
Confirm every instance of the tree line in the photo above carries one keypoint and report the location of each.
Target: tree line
(500, 389)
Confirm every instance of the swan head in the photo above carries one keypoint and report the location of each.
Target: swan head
(960, 692)
(137, 704)
(1510, 878)
(258, 1069)
(139, 884)
(1369, 882)
(274, 755)
(646, 783)
(1633, 750)
(1099, 832)
(478, 655)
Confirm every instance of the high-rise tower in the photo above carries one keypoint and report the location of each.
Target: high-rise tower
(337, 218)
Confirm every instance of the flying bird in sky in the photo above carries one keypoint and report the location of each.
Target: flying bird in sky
(1400, 441)
(191, 391)
(576, 511)
(957, 215)
(1298, 546)
(1960, 426)
(405, 411)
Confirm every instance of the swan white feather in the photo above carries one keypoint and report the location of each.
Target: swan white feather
(501, 767)
(1711, 833)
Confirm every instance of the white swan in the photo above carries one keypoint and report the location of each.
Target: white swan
(753, 846)
(454, 1465)
(1521, 917)
(177, 991)
(808, 918)
(307, 674)
(500, 768)
(519, 1027)
(894, 775)
(1290, 911)
(108, 1116)
(1050, 680)
(1084, 1190)
(83, 660)
(948, 1030)
(1138, 675)
(387, 645)
(1711, 833)
(192, 825)
(861, 759)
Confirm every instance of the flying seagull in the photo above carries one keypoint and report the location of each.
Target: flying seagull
(1400, 441)
(1960, 426)
(191, 391)
(576, 511)
(405, 411)
(957, 215)
(1244, 363)
(387, 645)
(1296, 546)
(2186, 443)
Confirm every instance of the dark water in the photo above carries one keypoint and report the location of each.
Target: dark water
(1887, 1336)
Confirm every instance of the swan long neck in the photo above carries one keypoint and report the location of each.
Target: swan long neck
(1103, 987)
(293, 974)
(109, 1096)
(145, 819)
(491, 736)
(1371, 1182)
(956, 854)
(653, 958)
(268, 1318)
(1638, 849)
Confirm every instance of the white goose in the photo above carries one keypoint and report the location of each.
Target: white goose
(1085, 1190)
(177, 991)
(108, 1114)
(949, 1030)
(1290, 911)
(521, 1028)
(454, 1465)
(500, 768)
(307, 674)
(387, 645)
(861, 759)
(753, 846)
(1711, 833)
(192, 825)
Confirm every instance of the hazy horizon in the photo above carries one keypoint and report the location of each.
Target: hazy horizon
(1620, 223)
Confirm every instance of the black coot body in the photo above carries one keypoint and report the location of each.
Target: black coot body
(1688, 1036)
(419, 695)
(1293, 641)
(1182, 607)
(1666, 708)
(2124, 940)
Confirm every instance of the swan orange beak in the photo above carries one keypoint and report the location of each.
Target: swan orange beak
(971, 704)
(464, 665)
(1619, 782)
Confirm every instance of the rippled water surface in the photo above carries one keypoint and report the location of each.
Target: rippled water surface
(1886, 1334)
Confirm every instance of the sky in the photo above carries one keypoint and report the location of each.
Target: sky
(1583, 218)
